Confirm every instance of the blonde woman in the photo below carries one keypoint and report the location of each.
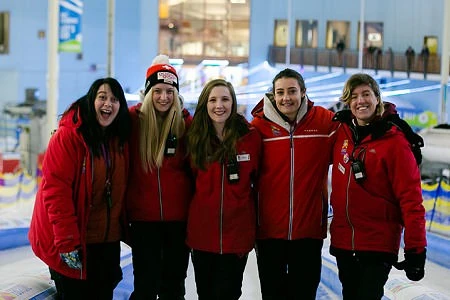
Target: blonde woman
(159, 188)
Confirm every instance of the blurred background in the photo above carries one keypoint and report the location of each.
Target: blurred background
(51, 51)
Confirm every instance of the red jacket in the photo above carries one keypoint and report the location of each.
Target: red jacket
(371, 216)
(222, 215)
(164, 193)
(293, 197)
(62, 206)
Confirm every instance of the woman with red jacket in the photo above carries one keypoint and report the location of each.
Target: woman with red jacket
(76, 225)
(159, 188)
(225, 152)
(292, 189)
(376, 194)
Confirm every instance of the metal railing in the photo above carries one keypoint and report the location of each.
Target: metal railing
(8, 135)
(378, 60)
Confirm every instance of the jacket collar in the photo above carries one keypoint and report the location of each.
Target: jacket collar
(378, 127)
(274, 115)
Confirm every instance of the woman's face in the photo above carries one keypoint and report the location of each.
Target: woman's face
(106, 105)
(288, 96)
(363, 104)
(219, 105)
(163, 95)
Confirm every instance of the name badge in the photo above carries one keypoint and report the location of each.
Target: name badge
(243, 157)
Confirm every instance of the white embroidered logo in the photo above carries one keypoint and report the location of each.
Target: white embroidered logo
(167, 77)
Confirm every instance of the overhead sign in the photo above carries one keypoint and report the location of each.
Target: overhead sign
(70, 37)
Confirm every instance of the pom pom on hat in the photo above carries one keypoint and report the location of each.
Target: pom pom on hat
(161, 72)
(161, 59)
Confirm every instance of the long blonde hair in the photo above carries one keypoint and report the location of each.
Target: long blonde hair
(154, 130)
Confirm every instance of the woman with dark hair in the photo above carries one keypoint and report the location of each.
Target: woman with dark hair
(292, 188)
(76, 225)
(225, 152)
(376, 193)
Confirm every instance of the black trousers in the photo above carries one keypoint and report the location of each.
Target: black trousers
(218, 276)
(160, 260)
(362, 277)
(289, 270)
(103, 274)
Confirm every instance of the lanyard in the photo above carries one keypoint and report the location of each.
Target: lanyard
(108, 162)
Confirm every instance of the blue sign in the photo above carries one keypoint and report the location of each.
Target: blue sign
(70, 37)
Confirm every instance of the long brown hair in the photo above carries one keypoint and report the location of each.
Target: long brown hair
(203, 144)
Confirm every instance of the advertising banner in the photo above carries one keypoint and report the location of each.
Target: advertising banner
(70, 36)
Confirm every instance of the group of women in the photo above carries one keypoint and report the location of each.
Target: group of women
(214, 187)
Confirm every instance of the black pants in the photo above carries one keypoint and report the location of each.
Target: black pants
(362, 277)
(160, 260)
(218, 276)
(103, 274)
(289, 270)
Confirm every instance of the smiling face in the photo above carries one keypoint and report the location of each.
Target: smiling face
(163, 95)
(219, 106)
(106, 105)
(288, 96)
(363, 104)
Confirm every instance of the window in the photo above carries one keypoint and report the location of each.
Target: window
(204, 28)
(216, 38)
(432, 43)
(337, 31)
(373, 35)
(4, 32)
(306, 34)
(281, 33)
(239, 45)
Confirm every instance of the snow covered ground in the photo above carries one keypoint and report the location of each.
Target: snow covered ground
(21, 273)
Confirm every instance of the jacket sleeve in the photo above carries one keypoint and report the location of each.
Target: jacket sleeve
(60, 167)
(406, 185)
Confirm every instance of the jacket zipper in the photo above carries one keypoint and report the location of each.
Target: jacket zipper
(221, 210)
(108, 189)
(347, 209)
(161, 215)
(291, 186)
(108, 220)
(356, 137)
(83, 237)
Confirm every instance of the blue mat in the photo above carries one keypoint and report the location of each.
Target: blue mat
(13, 238)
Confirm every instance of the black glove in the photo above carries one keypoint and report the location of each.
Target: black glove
(414, 264)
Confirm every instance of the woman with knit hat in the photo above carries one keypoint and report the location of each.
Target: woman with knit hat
(159, 188)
